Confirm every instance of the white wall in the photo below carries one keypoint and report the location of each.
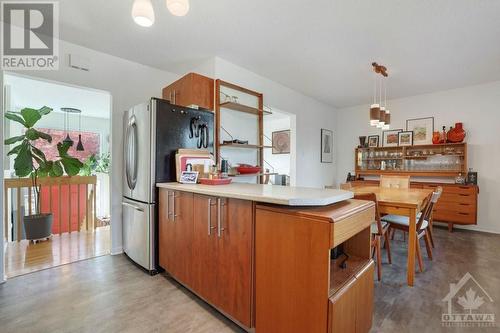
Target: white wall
(478, 107)
(311, 116)
(128, 83)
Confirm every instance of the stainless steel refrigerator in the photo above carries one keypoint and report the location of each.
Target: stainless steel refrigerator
(153, 132)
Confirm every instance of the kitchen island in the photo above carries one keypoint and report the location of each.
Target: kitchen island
(263, 255)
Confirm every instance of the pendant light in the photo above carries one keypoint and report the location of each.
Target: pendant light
(79, 146)
(375, 107)
(381, 121)
(67, 139)
(143, 13)
(178, 7)
(387, 112)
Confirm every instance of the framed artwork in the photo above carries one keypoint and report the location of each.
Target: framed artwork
(405, 138)
(390, 138)
(189, 177)
(373, 141)
(281, 142)
(326, 146)
(422, 130)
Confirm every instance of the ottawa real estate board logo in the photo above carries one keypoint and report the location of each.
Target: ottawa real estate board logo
(468, 305)
(30, 35)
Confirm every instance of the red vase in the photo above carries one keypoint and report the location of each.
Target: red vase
(456, 134)
(436, 138)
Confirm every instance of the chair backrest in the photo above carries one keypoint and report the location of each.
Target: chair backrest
(371, 197)
(394, 181)
(427, 211)
(346, 186)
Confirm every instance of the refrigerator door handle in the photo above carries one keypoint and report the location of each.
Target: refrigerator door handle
(132, 206)
(131, 158)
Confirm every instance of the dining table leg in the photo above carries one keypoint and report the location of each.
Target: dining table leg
(412, 242)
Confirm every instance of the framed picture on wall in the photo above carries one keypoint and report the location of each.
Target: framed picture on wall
(390, 138)
(326, 146)
(281, 142)
(373, 141)
(422, 130)
(405, 138)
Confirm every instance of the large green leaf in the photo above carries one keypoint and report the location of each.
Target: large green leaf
(63, 148)
(57, 169)
(44, 110)
(14, 139)
(23, 163)
(15, 150)
(44, 136)
(71, 165)
(15, 117)
(32, 134)
(31, 116)
(38, 153)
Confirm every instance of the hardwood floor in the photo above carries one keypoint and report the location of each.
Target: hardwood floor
(109, 294)
(25, 257)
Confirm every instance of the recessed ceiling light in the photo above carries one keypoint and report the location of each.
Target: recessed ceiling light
(143, 13)
(178, 7)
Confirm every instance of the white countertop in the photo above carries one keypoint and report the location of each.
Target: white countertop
(275, 194)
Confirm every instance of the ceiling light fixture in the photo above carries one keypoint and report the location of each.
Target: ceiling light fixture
(143, 13)
(380, 115)
(178, 7)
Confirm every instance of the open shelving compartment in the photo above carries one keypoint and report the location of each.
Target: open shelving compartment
(258, 111)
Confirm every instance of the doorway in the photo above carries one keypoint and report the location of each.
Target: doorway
(279, 132)
(80, 205)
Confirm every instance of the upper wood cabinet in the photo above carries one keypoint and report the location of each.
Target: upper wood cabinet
(191, 89)
(175, 233)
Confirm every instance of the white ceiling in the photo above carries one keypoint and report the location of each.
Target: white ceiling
(322, 48)
(27, 92)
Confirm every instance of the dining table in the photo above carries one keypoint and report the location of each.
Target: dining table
(404, 202)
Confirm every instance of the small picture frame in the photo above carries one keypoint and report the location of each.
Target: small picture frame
(373, 141)
(281, 142)
(326, 146)
(189, 177)
(422, 128)
(390, 138)
(405, 138)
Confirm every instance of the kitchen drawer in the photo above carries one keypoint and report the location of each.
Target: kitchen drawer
(456, 206)
(460, 189)
(458, 198)
(454, 216)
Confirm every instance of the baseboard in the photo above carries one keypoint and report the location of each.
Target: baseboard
(115, 251)
(468, 227)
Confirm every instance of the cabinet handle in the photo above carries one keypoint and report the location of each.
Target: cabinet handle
(220, 229)
(210, 217)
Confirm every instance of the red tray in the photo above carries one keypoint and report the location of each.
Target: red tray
(220, 181)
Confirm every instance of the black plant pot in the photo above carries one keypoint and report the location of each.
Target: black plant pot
(38, 226)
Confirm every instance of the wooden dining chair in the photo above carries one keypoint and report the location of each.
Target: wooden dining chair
(379, 231)
(346, 186)
(423, 225)
(394, 181)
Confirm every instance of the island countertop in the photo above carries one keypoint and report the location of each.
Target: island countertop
(274, 194)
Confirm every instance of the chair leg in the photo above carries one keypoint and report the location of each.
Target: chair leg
(429, 230)
(378, 251)
(392, 232)
(387, 244)
(428, 245)
(404, 236)
(419, 256)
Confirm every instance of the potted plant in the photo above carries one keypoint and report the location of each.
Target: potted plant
(30, 161)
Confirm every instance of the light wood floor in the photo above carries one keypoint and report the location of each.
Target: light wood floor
(25, 257)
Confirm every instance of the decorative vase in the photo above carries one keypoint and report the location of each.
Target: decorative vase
(436, 137)
(456, 134)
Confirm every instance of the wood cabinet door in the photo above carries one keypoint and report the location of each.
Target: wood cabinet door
(204, 248)
(364, 299)
(182, 221)
(234, 258)
(166, 232)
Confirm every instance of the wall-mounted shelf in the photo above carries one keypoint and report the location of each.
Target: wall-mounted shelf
(243, 108)
(247, 146)
(254, 174)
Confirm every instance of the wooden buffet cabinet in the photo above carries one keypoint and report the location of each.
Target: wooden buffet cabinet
(267, 267)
